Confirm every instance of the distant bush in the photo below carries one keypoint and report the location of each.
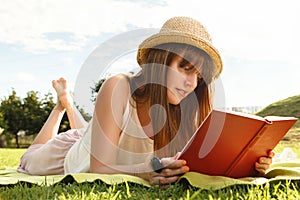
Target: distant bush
(286, 107)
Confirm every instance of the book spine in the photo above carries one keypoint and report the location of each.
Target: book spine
(260, 132)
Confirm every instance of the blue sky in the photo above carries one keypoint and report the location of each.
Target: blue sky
(41, 40)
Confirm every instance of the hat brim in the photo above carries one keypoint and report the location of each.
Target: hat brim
(177, 37)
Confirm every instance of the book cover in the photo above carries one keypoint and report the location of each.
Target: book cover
(229, 143)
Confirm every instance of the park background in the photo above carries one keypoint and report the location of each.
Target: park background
(44, 40)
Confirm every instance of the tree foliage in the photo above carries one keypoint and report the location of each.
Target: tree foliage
(34, 115)
(12, 111)
(3, 124)
(96, 89)
(27, 115)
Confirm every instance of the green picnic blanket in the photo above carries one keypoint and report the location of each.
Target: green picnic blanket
(278, 172)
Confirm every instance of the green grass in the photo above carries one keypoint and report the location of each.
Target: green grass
(294, 146)
(10, 157)
(286, 107)
(100, 191)
(97, 190)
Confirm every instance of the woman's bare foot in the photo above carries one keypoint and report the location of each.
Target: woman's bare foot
(65, 100)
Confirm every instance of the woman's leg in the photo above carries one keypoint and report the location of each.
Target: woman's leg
(51, 126)
(74, 116)
(64, 103)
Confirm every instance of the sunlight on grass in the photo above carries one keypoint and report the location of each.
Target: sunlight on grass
(286, 190)
(98, 190)
(10, 157)
(294, 146)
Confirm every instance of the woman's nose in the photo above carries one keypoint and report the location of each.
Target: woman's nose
(191, 80)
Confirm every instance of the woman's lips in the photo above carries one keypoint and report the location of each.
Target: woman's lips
(181, 92)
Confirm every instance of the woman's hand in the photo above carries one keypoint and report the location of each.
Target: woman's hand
(172, 170)
(263, 163)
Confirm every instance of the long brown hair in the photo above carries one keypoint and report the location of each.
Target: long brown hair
(173, 125)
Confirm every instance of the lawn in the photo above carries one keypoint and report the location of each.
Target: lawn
(97, 190)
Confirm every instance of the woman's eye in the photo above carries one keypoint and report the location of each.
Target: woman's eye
(188, 68)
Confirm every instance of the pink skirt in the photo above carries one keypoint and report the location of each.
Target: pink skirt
(48, 158)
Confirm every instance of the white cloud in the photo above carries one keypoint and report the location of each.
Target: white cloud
(26, 23)
(252, 30)
(257, 33)
(24, 76)
(259, 30)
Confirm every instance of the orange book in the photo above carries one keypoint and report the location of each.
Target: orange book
(229, 143)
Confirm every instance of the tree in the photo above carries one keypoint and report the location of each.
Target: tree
(98, 85)
(47, 105)
(12, 111)
(3, 127)
(96, 89)
(34, 115)
(29, 115)
(3, 124)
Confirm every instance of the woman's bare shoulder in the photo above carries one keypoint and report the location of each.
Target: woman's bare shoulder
(116, 88)
(118, 79)
(117, 82)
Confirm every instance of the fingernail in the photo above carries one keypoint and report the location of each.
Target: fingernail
(184, 162)
(187, 169)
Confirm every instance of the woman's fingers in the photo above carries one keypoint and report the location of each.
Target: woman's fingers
(172, 170)
(169, 172)
(265, 160)
(171, 163)
(264, 163)
(161, 180)
(271, 154)
(261, 168)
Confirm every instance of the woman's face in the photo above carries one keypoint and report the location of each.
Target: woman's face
(182, 79)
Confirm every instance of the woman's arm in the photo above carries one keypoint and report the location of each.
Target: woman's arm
(106, 129)
(107, 121)
(172, 170)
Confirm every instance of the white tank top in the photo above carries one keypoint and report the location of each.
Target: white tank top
(134, 145)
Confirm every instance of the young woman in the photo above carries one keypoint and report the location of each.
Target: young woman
(137, 119)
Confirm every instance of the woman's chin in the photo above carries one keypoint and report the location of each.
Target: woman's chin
(174, 101)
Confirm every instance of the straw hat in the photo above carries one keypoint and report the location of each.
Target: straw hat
(181, 30)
